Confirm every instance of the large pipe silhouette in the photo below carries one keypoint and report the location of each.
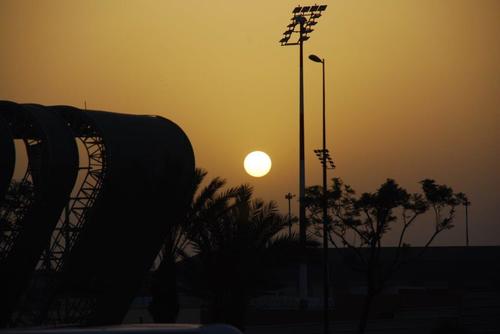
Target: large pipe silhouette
(146, 184)
(53, 163)
(150, 165)
(8, 154)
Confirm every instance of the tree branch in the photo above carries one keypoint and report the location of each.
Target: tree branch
(351, 226)
(350, 246)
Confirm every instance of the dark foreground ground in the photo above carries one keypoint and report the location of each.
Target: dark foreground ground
(484, 319)
(414, 326)
(479, 314)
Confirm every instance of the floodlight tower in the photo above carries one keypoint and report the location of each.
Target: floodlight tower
(302, 21)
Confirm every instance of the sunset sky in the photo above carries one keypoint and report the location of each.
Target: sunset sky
(413, 87)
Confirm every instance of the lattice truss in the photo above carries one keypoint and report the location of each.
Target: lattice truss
(75, 213)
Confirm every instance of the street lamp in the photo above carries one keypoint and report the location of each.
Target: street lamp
(302, 21)
(327, 163)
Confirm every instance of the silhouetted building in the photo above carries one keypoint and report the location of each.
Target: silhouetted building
(85, 223)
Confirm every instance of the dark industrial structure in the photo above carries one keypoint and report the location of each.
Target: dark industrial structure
(89, 216)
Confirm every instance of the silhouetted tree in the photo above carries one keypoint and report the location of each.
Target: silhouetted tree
(235, 254)
(11, 206)
(206, 202)
(370, 216)
(462, 198)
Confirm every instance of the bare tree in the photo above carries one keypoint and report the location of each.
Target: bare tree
(370, 217)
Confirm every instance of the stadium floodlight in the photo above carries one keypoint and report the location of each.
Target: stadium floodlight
(284, 39)
(303, 17)
(327, 160)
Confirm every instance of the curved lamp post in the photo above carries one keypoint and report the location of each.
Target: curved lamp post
(325, 159)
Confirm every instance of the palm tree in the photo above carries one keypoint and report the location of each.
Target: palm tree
(235, 253)
(206, 202)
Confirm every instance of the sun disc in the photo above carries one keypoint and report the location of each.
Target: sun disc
(257, 164)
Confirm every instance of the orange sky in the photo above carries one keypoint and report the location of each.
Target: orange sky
(413, 87)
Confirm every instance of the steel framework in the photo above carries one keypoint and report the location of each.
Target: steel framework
(72, 310)
(75, 214)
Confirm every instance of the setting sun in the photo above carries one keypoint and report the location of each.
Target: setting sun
(257, 164)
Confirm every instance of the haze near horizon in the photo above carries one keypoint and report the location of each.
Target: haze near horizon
(413, 88)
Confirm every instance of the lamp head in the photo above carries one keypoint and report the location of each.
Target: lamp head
(315, 58)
